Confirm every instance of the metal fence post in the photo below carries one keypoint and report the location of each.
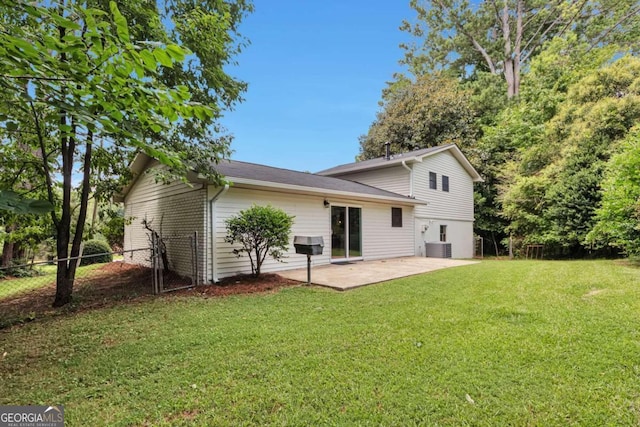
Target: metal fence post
(195, 258)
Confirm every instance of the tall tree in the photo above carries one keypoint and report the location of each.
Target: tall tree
(502, 36)
(80, 77)
(431, 111)
(554, 189)
(618, 217)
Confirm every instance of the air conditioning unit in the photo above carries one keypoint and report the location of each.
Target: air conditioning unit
(437, 249)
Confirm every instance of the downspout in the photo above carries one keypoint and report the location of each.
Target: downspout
(212, 232)
(404, 165)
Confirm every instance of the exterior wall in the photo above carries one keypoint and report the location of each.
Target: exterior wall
(379, 239)
(453, 208)
(457, 204)
(311, 219)
(175, 209)
(395, 179)
(459, 234)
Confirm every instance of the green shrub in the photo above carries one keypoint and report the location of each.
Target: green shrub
(96, 247)
(262, 231)
(19, 268)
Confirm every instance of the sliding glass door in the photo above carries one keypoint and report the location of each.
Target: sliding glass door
(346, 232)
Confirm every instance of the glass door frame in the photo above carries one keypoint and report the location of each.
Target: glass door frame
(346, 236)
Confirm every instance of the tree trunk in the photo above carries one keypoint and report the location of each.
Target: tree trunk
(67, 268)
(510, 77)
(7, 253)
(495, 243)
(64, 286)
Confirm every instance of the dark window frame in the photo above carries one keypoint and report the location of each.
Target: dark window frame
(396, 217)
(433, 181)
(443, 233)
(445, 183)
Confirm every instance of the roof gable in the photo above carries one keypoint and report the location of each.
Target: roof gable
(398, 159)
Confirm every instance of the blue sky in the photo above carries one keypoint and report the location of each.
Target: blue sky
(315, 70)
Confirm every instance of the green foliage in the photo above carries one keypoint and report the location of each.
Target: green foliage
(618, 217)
(19, 268)
(100, 249)
(13, 202)
(82, 91)
(112, 227)
(554, 184)
(433, 110)
(464, 37)
(261, 231)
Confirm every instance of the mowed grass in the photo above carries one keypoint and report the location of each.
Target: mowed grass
(13, 286)
(497, 343)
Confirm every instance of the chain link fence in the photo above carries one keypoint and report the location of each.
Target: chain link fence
(174, 262)
(27, 291)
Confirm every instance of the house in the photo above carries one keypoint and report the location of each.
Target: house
(442, 176)
(382, 210)
(356, 221)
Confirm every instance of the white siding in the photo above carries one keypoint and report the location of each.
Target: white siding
(453, 208)
(380, 240)
(175, 209)
(457, 204)
(459, 234)
(395, 179)
(311, 219)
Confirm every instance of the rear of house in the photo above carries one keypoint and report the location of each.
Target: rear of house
(440, 176)
(356, 221)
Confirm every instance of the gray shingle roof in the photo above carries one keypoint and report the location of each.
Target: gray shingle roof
(268, 174)
(381, 161)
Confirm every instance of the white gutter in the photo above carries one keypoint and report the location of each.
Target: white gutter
(212, 229)
(404, 165)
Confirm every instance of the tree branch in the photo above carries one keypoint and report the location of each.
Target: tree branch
(45, 162)
(53, 79)
(608, 31)
(84, 197)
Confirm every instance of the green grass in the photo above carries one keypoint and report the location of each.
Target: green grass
(10, 287)
(529, 342)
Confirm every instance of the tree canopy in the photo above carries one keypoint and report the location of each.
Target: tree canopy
(82, 90)
(501, 37)
(431, 111)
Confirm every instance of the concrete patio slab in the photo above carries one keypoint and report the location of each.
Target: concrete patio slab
(360, 273)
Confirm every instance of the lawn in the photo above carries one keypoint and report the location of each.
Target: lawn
(497, 343)
(12, 286)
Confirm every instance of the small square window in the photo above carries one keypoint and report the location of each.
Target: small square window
(445, 183)
(443, 233)
(433, 181)
(396, 217)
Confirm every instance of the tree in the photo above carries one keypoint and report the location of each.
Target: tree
(554, 184)
(262, 231)
(71, 77)
(431, 111)
(618, 217)
(502, 36)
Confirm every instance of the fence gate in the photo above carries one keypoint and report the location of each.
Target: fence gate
(175, 262)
